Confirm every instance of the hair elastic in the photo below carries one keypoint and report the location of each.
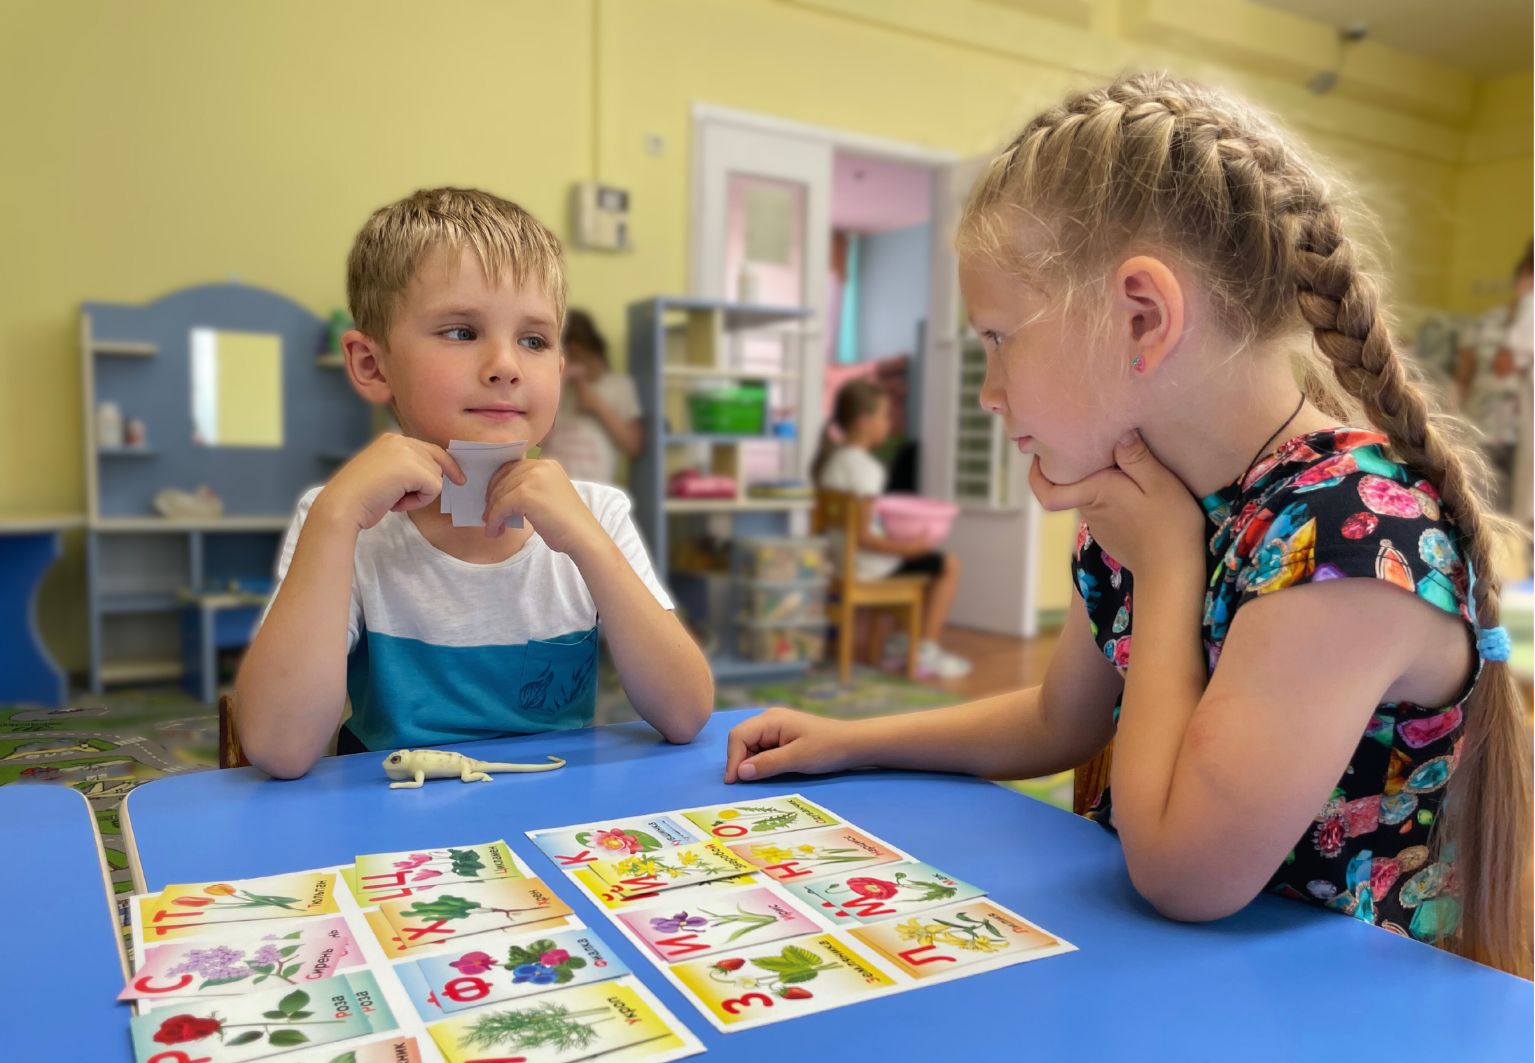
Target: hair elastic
(1492, 643)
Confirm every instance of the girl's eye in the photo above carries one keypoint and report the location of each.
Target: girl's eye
(537, 343)
(459, 332)
(993, 338)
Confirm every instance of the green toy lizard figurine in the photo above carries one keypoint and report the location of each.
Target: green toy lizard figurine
(413, 766)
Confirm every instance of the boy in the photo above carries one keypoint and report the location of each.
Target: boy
(442, 634)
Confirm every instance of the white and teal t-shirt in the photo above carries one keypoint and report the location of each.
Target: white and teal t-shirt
(444, 650)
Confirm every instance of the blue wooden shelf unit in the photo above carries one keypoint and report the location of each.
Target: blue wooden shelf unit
(159, 606)
(677, 345)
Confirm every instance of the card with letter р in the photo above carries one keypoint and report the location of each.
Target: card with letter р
(266, 1022)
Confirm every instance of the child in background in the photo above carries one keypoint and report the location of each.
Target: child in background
(861, 416)
(600, 411)
(439, 633)
(1317, 702)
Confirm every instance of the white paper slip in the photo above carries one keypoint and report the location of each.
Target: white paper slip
(479, 461)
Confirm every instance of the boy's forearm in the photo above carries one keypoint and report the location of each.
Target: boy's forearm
(292, 684)
(663, 671)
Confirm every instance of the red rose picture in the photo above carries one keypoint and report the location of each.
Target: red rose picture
(179, 1029)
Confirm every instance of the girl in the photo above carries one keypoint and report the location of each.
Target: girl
(600, 416)
(1316, 702)
(861, 416)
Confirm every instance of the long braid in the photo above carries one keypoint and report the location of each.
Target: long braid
(1485, 819)
(1151, 160)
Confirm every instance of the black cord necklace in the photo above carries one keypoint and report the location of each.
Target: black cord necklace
(1261, 450)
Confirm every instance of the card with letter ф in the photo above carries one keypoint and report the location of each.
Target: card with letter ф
(509, 969)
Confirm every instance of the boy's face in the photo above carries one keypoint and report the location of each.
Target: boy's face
(466, 360)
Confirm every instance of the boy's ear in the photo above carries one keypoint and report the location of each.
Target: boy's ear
(365, 366)
(1148, 310)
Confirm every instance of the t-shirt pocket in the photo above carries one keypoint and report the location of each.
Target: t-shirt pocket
(559, 679)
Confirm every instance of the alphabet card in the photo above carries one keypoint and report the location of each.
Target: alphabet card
(782, 980)
(892, 889)
(382, 876)
(684, 927)
(815, 852)
(772, 815)
(238, 957)
(608, 840)
(622, 894)
(450, 914)
(526, 967)
(576, 1023)
(672, 868)
(185, 910)
(266, 1022)
(939, 942)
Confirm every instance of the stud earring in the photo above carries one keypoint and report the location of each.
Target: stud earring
(1138, 364)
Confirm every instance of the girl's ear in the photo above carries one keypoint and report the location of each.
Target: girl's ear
(1148, 311)
(365, 366)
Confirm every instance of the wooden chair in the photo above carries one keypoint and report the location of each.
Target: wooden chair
(847, 513)
(1088, 780)
(230, 753)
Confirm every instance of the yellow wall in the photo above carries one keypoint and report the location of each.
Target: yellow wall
(170, 142)
(1493, 215)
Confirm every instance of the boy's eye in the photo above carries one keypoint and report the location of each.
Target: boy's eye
(537, 343)
(459, 332)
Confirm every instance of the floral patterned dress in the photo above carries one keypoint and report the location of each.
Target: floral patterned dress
(1330, 505)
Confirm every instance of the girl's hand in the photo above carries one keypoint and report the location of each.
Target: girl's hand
(540, 490)
(781, 740)
(1139, 511)
(392, 473)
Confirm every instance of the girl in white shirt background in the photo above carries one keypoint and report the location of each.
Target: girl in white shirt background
(860, 421)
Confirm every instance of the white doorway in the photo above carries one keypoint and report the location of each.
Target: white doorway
(769, 197)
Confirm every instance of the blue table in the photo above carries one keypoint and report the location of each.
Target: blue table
(28, 547)
(62, 962)
(1279, 981)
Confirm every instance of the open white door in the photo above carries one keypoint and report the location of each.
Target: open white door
(966, 455)
(762, 230)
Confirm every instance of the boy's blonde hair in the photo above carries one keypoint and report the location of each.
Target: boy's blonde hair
(391, 244)
(1153, 162)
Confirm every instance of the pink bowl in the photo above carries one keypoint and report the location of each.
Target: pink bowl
(911, 517)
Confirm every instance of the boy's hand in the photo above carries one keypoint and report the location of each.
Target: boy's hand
(539, 490)
(392, 473)
(781, 740)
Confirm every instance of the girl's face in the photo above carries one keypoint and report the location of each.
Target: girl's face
(874, 426)
(1059, 395)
